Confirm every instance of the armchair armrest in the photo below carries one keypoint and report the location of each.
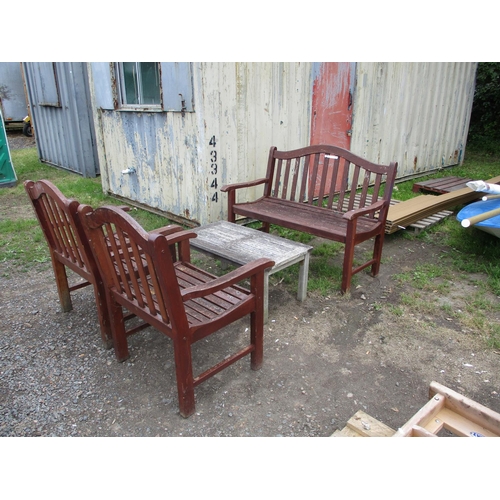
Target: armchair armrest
(177, 239)
(166, 230)
(243, 272)
(239, 185)
(354, 214)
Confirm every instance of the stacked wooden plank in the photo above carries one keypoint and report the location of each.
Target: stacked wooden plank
(410, 211)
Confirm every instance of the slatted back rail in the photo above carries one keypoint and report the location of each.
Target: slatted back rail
(52, 210)
(327, 176)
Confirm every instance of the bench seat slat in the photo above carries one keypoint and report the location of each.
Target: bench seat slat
(319, 221)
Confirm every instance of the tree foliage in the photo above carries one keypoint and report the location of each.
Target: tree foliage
(484, 126)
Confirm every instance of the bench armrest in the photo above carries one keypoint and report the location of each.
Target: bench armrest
(229, 279)
(239, 185)
(354, 214)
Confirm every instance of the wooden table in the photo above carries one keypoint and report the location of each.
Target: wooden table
(239, 245)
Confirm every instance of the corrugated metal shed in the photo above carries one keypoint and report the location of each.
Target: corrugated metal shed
(215, 123)
(12, 95)
(62, 118)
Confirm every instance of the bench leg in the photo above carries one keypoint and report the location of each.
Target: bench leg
(257, 320)
(266, 296)
(377, 253)
(347, 269)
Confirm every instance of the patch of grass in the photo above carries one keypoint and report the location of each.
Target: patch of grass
(22, 240)
(494, 336)
(290, 234)
(327, 250)
(324, 277)
(396, 310)
(424, 276)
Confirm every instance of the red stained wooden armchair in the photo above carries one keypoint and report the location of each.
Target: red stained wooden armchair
(155, 280)
(69, 248)
(56, 215)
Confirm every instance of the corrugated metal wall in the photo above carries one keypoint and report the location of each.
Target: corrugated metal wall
(60, 107)
(414, 113)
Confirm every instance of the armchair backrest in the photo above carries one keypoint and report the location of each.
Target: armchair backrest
(57, 217)
(137, 267)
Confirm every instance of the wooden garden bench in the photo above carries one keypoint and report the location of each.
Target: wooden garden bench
(325, 191)
(151, 275)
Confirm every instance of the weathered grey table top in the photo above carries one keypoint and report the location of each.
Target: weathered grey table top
(240, 244)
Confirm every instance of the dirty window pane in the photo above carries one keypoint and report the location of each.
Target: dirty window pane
(141, 83)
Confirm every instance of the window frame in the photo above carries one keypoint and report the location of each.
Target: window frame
(120, 84)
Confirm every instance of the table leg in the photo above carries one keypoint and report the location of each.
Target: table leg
(303, 277)
(266, 296)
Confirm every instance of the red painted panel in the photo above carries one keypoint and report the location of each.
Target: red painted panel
(332, 105)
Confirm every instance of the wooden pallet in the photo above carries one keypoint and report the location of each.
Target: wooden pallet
(446, 409)
(442, 185)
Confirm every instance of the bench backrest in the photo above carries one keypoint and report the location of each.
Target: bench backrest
(329, 176)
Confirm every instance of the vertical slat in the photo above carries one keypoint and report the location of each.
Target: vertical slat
(303, 185)
(277, 177)
(343, 185)
(69, 237)
(354, 186)
(376, 187)
(137, 267)
(364, 190)
(127, 250)
(324, 174)
(157, 289)
(105, 237)
(51, 227)
(312, 180)
(115, 256)
(333, 187)
(295, 177)
(62, 231)
(284, 191)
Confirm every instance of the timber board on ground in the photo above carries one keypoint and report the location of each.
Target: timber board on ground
(442, 185)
